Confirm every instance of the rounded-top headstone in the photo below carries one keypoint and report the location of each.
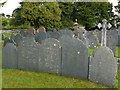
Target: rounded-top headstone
(103, 67)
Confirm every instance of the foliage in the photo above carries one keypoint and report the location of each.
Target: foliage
(5, 21)
(39, 14)
(118, 17)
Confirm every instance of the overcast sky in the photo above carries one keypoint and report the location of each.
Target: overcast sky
(12, 4)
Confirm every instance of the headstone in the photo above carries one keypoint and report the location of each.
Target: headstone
(23, 33)
(18, 38)
(111, 43)
(3, 37)
(12, 36)
(54, 30)
(82, 36)
(40, 36)
(6, 40)
(74, 57)
(50, 56)
(28, 54)
(55, 35)
(41, 29)
(99, 35)
(118, 40)
(9, 56)
(92, 39)
(103, 67)
(31, 31)
(66, 32)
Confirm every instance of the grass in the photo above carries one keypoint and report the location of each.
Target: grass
(12, 78)
(29, 79)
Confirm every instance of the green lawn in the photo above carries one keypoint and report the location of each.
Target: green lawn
(12, 78)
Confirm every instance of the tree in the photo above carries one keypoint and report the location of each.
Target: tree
(8, 15)
(39, 14)
(118, 17)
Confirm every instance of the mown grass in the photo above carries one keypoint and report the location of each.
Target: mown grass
(28, 79)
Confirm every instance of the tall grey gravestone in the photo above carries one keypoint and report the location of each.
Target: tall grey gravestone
(50, 56)
(9, 56)
(55, 35)
(18, 38)
(40, 36)
(92, 39)
(12, 36)
(66, 32)
(74, 57)
(28, 54)
(103, 67)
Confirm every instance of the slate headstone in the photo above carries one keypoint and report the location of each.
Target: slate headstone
(18, 38)
(28, 54)
(103, 67)
(6, 40)
(9, 56)
(74, 57)
(50, 56)
(12, 36)
(92, 39)
(40, 36)
(55, 35)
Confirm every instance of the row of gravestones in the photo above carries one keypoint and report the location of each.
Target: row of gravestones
(38, 36)
(67, 56)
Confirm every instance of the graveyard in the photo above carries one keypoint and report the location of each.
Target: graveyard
(53, 62)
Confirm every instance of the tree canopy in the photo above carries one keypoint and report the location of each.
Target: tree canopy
(61, 14)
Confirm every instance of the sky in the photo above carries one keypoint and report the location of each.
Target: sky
(13, 4)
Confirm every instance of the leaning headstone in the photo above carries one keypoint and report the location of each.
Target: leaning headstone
(18, 38)
(50, 56)
(6, 40)
(28, 54)
(55, 35)
(74, 57)
(40, 36)
(103, 67)
(9, 56)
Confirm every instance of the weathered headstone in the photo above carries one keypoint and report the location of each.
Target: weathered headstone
(23, 33)
(18, 38)
(55, 35)
(9, 56)
(12, 36)
(74, 57)
(28, 54)
(50, 56)
(111, 43)
(66, 32)
(92, 39)
(6, 40)
(40, 36)
(103, 67)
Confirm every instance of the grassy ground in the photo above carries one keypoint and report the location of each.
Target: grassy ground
(30, 79)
